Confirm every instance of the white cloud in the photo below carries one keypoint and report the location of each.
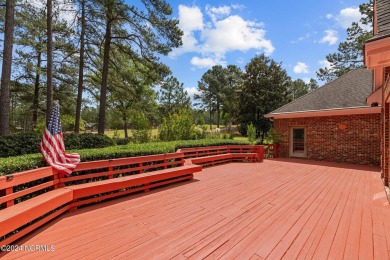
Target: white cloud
(221, 33)
(331, 37)
(329, 16)
(300, 68)
(192, 91)
(306, 80)
(234, 33)
(190, 18)
(347, 16)
(206, 62)
(216, 13)
(65, 10)
(302, 38)
(325, 64)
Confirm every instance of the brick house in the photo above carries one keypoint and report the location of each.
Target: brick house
(337, 122)
(377, 60)
(348, 119)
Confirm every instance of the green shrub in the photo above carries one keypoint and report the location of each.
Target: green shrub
(28, 142)
(68, 123)
(141, 131)
(26, 162)
(19, 144)
(199, 132)
(87, 141)
(251, 133)
(164, 131)
(178, 126)
(121, 141)
(274, 137)
(116, 134)
(207, 142)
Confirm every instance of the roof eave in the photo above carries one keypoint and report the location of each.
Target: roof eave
(327, 112)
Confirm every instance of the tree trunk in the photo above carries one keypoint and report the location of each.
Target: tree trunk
(218, 115)
(36, 92)
(49, 59)
(211, 127)
(81, 70)
(103, 90)
(6, 67)
(124, 117)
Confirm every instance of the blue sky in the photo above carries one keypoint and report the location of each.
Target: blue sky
(298, 34)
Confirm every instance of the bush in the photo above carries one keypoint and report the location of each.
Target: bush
(141, 132)
(274, 137)
(251, 132)
(178, 126)
(121, 141)
(87, 141)
(19, 144)
(32, 161)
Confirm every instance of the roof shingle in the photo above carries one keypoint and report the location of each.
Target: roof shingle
(350, 90)
(382, 20)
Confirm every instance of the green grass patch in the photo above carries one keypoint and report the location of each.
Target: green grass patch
(32, 161)
(121, 132)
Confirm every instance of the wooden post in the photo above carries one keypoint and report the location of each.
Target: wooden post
(110, 169)
(56, 176)
(9, 191)
(261, 153)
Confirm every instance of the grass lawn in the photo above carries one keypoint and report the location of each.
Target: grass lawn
(121, 132)
(241, 138)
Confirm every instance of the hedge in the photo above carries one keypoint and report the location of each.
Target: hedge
(28, 142)
(32, 161)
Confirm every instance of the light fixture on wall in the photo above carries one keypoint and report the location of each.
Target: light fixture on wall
(342, 127)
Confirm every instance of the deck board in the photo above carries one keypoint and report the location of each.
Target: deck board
(281, 208)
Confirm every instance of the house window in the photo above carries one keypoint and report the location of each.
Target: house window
(298, 142)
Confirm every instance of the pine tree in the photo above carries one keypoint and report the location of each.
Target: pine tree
(6, 67)
(350, 53)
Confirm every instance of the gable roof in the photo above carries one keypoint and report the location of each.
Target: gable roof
(347, 91)
(382, 20)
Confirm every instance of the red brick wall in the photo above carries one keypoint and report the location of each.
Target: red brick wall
(358, 143)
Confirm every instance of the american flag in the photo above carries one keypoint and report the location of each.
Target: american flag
(52, 145)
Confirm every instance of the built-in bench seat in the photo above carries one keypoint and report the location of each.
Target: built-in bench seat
(43, 194)
(20, 203)
(30, 199)
(213, 155)
(18, 215)
(130, 184)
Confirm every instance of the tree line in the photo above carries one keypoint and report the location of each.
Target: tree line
(107, 48)
(244, 97)
(101, 59)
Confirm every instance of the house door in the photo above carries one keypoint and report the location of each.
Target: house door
(298, 142)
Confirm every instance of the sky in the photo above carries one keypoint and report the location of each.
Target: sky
(297, 34)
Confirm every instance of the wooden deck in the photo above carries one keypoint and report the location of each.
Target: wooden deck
(276, 209)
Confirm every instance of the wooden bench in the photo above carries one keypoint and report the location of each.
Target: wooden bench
(213, 155)
(43, 195)
(247, 151)
(130, 175)
(20, 187)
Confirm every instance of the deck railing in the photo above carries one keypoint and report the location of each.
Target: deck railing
(31, 198)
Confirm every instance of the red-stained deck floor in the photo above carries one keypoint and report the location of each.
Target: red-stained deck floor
(276, 209)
